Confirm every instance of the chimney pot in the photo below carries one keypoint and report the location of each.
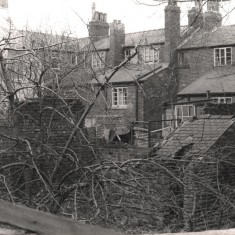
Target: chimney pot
(101, 16)
(105, 17)
(96, 15)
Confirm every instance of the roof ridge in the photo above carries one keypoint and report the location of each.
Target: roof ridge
(145, 31)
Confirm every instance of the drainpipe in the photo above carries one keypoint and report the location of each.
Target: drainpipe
(106, 98)
(136, 102)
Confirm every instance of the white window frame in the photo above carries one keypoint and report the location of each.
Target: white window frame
(98, 59)
(223, 100)
(222, 56)
(182, 116)
(150, 55)
(119, 97)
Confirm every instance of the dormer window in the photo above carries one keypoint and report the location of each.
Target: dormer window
(98, 59)
(150, 54)
(223, 56)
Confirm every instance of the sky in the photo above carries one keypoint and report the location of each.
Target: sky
(73, 15)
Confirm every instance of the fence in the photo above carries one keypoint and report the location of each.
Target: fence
(38, 222)
(148, 134)
(44, 223)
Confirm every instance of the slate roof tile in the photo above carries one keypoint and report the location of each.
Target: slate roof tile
(218, 80)
(202, 133)
(220, 36)
(132, 72)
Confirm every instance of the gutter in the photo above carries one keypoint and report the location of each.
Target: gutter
(191, 102)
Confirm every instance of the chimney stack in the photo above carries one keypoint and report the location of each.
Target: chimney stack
(213, 18)
(3, 3)
(98, 26)
(172, 29)
(117, 40)
(195, 18)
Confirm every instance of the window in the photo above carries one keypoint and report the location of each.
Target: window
(98, 59)
(127, 53)
(74, 59)
(223, 100)
(184, 111)
(222, 56)
(183, 58)
(150, 54)
(119, 97)
(130, 51)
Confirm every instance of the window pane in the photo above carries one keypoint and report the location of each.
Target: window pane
(222, 54)
(119, 96)
(217, 57)
(228, 56)
(191, 109)
(185, 111)
(156, 55)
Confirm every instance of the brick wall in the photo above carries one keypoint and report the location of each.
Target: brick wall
(122, 116)
(200, 61)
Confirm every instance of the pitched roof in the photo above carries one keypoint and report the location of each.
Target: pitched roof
(196, 136)
(218, 80)
(133, 72)
(220, 36)
(131, 39)
(156, 36)
(145, 37)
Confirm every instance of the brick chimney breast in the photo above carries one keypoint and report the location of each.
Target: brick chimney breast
(98, 26)
(213, 18)
(117, 40)
(195, 18)
(172, 29)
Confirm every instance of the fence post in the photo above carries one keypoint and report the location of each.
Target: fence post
(131, 130)
(149, 135)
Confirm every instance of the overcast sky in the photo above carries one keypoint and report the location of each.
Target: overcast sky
(62, 15)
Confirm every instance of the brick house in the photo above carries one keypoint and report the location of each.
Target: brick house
(136, 92)
(168, 61)
(205, 66)
(189, 54)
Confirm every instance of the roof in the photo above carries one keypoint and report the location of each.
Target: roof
(196, 136)
(133, 72)
(219, 80)
(220, 36)
(156, 36)
(145, 37)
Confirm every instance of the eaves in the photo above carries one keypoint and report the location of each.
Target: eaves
(206, 47)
